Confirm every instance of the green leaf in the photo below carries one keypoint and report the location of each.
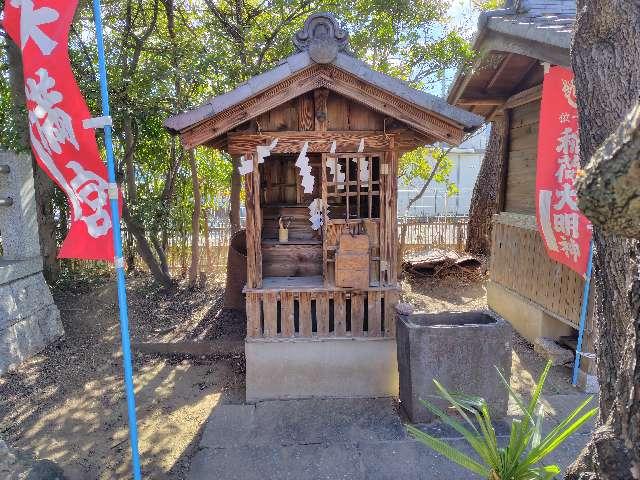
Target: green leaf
(448, 451)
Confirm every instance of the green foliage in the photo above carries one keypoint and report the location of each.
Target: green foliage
(521, 458)
(166, 56)
(426, 164)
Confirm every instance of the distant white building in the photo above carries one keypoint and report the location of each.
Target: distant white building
(466, 160)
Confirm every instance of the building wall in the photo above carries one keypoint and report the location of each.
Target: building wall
(538, 296)
(466, 159)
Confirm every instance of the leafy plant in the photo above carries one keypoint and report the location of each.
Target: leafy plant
(521, 458)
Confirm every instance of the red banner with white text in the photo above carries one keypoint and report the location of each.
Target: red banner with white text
(565, 231)
(64, 146)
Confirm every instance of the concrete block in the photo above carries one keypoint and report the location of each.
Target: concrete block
(18, 222)
(460, 350)
(525, 316)
(550, 350)
(327, 367)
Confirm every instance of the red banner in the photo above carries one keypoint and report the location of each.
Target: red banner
(565, 231)
(63, 145)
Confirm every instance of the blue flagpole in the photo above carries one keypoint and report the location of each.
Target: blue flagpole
(583, 315)
(117, 244)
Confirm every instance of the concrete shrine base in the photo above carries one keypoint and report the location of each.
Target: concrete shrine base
(327, 367)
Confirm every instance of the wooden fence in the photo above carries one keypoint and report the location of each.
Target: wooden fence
(420, 233)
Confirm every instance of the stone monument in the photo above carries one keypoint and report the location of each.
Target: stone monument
(29, 320)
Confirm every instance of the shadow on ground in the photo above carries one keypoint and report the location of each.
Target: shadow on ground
(68, 404)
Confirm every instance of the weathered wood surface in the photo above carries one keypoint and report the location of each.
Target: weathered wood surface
(254, 226)
(319, 141)
(523, 151)
(290, 260)
(520, 263)
(329, 77)
(298, 309)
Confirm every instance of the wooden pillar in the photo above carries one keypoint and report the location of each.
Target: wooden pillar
(388, 217)
(254, 225)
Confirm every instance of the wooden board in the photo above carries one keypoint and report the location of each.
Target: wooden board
(322, 314)
(374, 314)
(304, 314)
(288, 260)
(254, 304)
(286, 314)
(339, 314)
(270, 314)
(357, 314)
(520, 183)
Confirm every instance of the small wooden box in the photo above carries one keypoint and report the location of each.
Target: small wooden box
(352, 262)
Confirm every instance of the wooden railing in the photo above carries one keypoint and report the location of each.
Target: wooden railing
(309, 314)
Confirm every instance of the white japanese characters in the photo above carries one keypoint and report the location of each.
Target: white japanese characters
(50, 127)
(30, 20)
(566, 217)
(51, 122)
(92, 190)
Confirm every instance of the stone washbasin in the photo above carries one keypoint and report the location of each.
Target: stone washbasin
(460, 350)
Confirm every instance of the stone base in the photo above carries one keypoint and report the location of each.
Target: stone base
(29, 320)
(328, 367)
(523, 315)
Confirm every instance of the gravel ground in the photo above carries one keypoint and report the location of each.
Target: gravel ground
(67, 403)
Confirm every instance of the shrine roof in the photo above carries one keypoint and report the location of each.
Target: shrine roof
(512, 42)
(549, 22)
(331, 54)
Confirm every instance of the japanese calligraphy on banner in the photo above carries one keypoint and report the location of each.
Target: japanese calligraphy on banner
(64, 147)
(565, 231)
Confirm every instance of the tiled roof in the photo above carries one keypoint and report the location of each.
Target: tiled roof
(330, 48)
(545, 21)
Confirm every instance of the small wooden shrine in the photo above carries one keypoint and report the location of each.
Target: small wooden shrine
(318, 139)
(538, 296)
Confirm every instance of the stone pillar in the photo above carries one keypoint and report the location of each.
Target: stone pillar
(29, 320)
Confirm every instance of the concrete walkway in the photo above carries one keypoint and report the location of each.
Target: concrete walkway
(338, 439)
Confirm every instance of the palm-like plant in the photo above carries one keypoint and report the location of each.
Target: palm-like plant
(521, 458)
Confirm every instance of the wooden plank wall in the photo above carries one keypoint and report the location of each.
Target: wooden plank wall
(307, 314)
(342, 114)
(523, 151)
(520, 263)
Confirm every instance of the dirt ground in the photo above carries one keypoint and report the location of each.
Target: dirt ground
(67, 404)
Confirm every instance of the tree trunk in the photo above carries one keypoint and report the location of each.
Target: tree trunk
(485, 201)
(236, 186)
(195, 222)
(144, 249)
(207, 244)
(43, 185)
(605, 60)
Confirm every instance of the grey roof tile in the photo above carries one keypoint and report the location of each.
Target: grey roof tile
(299, 61)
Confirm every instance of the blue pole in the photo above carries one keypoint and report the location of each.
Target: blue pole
(117, 244)
(583, 315)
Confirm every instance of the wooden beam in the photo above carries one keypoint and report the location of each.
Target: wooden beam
(291, 142)
(526, 96)
(482, 100)
(330, 77)
(239, 143)
(496, 75)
